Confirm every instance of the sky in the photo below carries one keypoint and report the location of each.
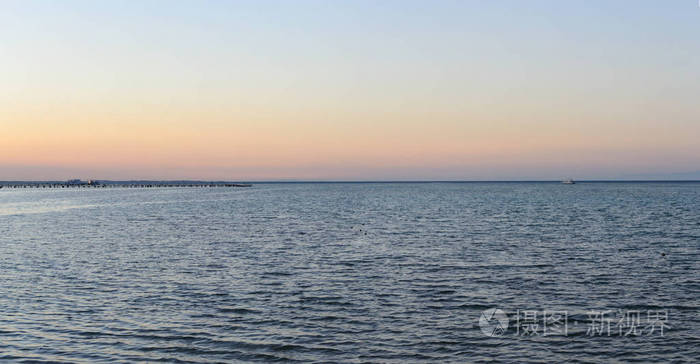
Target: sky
(350, 90)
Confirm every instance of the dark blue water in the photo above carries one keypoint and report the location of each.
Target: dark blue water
(347, 272)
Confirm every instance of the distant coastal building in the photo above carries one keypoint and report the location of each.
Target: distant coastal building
(77, 182)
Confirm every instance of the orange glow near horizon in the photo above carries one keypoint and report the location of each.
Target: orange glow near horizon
(195, 96)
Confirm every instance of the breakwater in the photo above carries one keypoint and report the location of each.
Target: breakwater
(11, 185)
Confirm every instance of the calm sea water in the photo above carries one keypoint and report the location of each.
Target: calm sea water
(360, 272)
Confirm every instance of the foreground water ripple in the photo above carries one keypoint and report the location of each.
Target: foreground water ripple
(355, 272)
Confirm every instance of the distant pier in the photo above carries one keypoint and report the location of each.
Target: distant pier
(116, 184)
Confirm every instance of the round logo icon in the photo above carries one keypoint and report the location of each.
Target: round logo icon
(493, 322)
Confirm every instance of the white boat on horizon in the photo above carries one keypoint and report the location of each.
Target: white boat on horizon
(568, 181)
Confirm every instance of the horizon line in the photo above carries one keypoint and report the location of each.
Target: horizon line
(357, 181)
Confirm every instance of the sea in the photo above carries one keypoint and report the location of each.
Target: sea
(439, 272)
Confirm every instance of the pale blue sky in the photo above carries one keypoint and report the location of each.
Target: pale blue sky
(350, 89)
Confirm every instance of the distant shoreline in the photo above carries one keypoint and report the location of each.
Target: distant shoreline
(198, 183)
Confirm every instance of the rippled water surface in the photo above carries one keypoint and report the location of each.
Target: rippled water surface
(345, 272)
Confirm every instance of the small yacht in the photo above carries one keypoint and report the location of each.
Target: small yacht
(568, 181)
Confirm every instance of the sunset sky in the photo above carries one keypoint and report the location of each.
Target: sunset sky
(349, 90)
